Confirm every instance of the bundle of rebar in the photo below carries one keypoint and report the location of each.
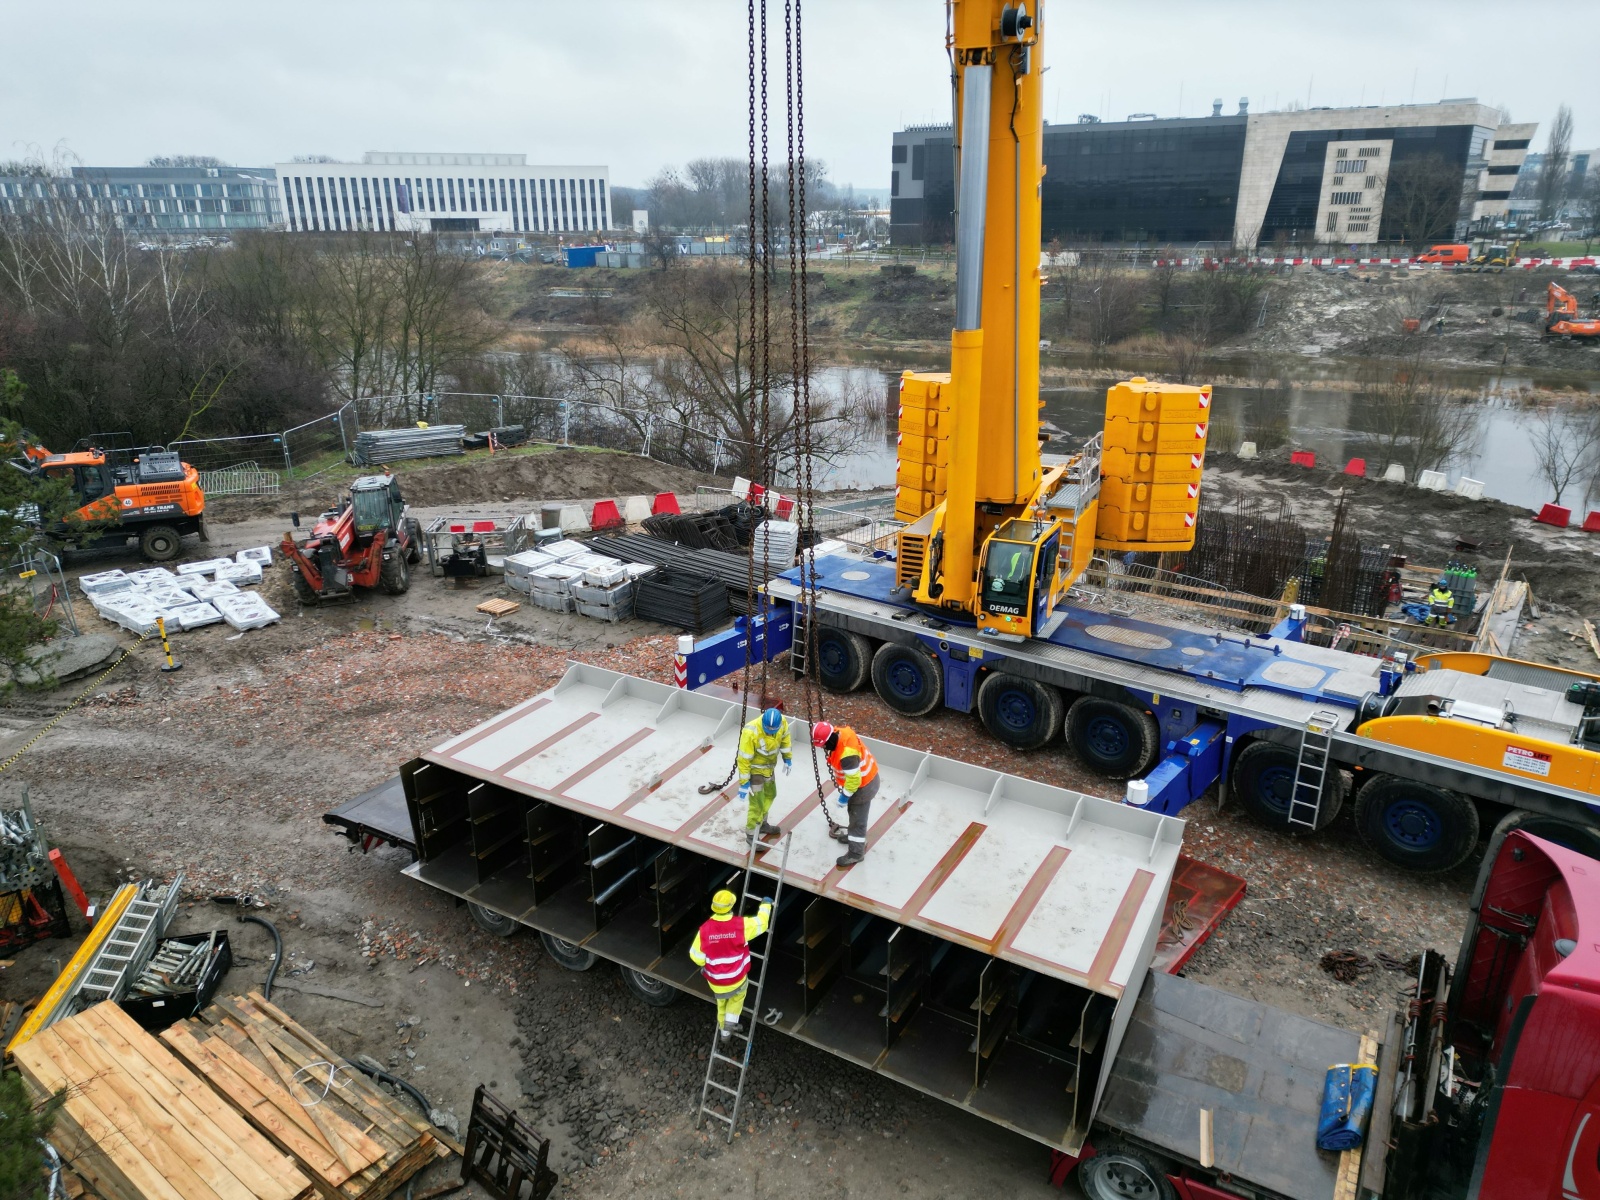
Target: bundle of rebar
(732, 571)
(376, 446)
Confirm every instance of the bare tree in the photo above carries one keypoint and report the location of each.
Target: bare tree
(1110, 304)
(1552, 187)
(1587, 204)
(1566, 442)
(1422, 199)
(1418, 423)
(185, 160)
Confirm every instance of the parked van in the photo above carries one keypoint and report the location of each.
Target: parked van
(1456, 253)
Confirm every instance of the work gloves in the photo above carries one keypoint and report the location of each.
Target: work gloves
(788, 766)
(744, 791)
(841, 799)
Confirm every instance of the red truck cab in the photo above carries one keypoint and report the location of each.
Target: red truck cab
(1525, 1012)
(1451, 254)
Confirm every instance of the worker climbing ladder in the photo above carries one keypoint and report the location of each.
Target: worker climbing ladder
(723, 1092)
(1311, 769)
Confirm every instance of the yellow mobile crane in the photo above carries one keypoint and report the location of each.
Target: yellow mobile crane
(995, 532)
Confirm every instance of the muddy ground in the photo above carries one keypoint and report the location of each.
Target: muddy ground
(225, 768)
(1561, 566)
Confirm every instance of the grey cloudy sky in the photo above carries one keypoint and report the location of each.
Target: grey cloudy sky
(637, 84)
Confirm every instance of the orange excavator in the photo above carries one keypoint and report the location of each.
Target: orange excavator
(124, 492)
(1561, 316)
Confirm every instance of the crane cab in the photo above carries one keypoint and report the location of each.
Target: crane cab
(1020, 582)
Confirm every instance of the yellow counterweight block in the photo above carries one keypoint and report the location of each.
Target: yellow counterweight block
(1153, 459)
(923, 444)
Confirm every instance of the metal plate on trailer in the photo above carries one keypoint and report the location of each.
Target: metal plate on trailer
(1065, 884)
(1259, 1070)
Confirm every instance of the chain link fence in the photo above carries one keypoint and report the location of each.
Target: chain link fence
(267, 464)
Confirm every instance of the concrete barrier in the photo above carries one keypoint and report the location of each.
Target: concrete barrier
(635, 509)
(1469, 489)
(1431, 481)
(1356, 466)
(605, 515)
(1394, 473)
(1555, 514)
(665, 502)
(574, 519)
(1247, 449)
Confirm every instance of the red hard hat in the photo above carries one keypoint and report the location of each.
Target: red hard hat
(820, 733)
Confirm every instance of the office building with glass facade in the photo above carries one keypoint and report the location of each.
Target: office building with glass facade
(452, 193)
(1330, 176)
(154, 200)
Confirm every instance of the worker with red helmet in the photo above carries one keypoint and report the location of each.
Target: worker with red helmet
(721, 949)
(855, 774)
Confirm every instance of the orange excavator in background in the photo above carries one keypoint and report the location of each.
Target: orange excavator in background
(124, 492)
(1561, 316)
(368, 541)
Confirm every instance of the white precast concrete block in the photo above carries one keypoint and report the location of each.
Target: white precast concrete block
(153, 577)
(129, 611)
(561, 551)
(256, 554)
(1469, 489)
(167, 598)
(1394, 473)
(635, 509)
(574, 519)
(1247, 449)
(239, 572)
(1431, 481)
(205, 591)
(247, 610)
(204, 568)
(193, 616)
(102, 582)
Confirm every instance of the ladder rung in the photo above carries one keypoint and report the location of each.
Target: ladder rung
(711, 1112)
(722, 1087)
(738, 1062)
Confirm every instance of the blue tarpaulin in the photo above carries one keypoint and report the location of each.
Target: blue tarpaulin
(1346, 1104)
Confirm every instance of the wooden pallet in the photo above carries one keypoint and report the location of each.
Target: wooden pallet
(499, 608)
(348, 1135)
(138, 1125)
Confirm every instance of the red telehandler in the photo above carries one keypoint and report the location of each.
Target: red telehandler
(368, 541)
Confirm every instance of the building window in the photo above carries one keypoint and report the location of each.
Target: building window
(461, 193)
(322, 196)
(1341, 154)
(430, 196)
(898, 154)
(300, 199)
(1512, 144)
(1357, 227)
(503, 208)
(388, 201)
(894, 183)
(1370, 152)
(519, 192)
(344, 202)
(1503, 170)
(366, 203)
(1345, 198)
(919, 160)
(1494, 195)
(1333, 222)
(450, 186)
(605, 206)
(1350, 166)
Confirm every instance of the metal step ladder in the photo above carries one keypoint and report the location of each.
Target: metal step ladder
(721, 1097)
(129, 947)
(1311, 769)
(800, 638)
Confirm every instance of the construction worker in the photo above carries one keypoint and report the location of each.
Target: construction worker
(762, 742)
(855, 773)
(1441, 604)
(721, 949)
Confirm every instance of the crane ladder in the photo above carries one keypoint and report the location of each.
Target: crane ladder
(720, 1098)
(1311, 769)
(800, 636)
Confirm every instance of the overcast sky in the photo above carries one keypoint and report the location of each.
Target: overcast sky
(639, 84)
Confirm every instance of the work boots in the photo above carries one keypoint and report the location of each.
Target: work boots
(851, 858)
(768, 831)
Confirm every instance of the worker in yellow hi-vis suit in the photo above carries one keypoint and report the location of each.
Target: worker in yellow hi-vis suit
(762, 742)
(721, 949)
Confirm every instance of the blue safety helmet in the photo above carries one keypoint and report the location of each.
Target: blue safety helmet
(771, 721)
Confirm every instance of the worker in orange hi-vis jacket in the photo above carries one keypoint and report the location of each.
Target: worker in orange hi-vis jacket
(855, 773)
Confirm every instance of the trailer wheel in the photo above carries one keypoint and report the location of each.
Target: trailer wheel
(1263, 779)
(161, 543)
(908, 679)
(490, 921)
(567, 954)
(394, 574)
(1018, 711)
(1122, 1172)
(1113, 739)
(844, 660)
(649, 989)
(1416, 825)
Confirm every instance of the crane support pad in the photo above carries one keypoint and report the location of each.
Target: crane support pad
(988, 950)
(1258, 1069)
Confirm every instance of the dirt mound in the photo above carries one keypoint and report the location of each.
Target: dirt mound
(552, 475)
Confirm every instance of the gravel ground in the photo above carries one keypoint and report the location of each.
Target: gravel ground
(225, 768)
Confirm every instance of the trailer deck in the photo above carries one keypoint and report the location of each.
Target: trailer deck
(989, 950)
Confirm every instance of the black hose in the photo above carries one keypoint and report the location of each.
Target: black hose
(385, 1077)
(277, 958)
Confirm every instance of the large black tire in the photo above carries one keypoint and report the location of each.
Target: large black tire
(568, 955)
(649, 989)
(414, 538)
(1573, 834)
(490, 921)
(161, 543)
(1112, 739)
(1018, 711)
(1119, 1171)
(843, 660)
(303, 590)
(395, 575)
(1416, 825)
(1263, 780)
(908, 679)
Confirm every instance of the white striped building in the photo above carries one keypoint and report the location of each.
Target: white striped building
(453, 193)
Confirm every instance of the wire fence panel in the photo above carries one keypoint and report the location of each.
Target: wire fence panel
(257, 451)
(246, 479)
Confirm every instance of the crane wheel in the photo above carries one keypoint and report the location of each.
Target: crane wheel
(843, 660)
(908, 679)
(1020, 712)
(567, 954)
(1112, 739)
(1417, 825)
(649, 989)
(395, 575)
(1263, 780)
(490, 921)
(1119, 1171)
(1573, 834)
(161, 543)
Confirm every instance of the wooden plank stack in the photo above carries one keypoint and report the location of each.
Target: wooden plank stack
(354, 1140)
(138, 1125)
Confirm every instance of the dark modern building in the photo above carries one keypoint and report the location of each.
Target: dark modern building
(1338, 176)
(156, 200)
